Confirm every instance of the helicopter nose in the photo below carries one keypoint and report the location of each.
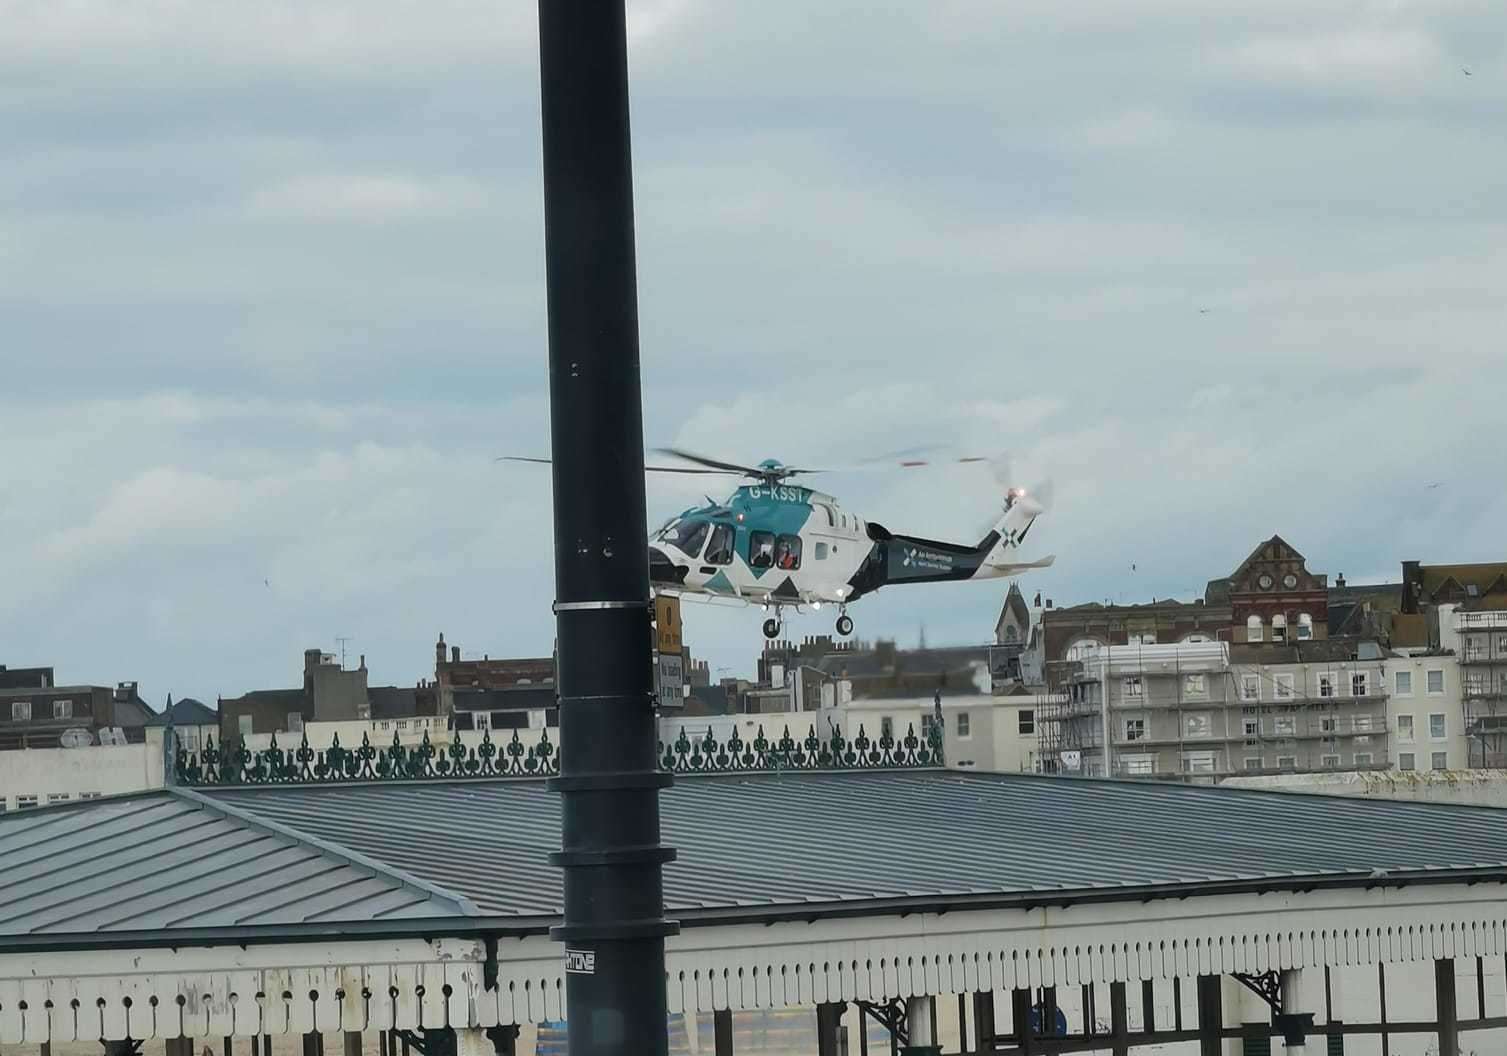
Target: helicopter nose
(663, 570)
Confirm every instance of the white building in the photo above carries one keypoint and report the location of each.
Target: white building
(1425, 714)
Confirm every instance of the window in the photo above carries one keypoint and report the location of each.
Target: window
(1195, 685)
(1287, 762)
(243, 725)
(1282, 686)
(1361, 723)
(62, 709)
(57, 797)
(1404, 684)
(1250, 687)
(1284, 725)
(25, 802)
(761, 550)
(1405, 761)
(1438, 729)
(821, 555)
(1279, 628)
(690, 537)
(1197, 725)
(295, 721)
(1330, 762)
(1198, 763)
(1434, 681)
(720, 550)
(1253, 762)
(1133, 686)
(20, 711)
(1138, 765)
(887, 728)
(1439, 761)
(1135, 729)
(1326, 683)
(787, 552)
(1305, 626)
(1083, 649)
(1362, 758)
(1405, 729)
(1326, 725)
(1253, 629)
(1358, 684)
(963, 725)
(1027, 721)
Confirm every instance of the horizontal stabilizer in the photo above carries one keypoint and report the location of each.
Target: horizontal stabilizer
(1010, 569)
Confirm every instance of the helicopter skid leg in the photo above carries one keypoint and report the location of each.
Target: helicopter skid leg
(844, 622)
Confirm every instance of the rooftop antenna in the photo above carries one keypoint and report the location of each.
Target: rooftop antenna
(342, 642)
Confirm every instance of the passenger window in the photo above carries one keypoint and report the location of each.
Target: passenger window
(821, 551)
(720, 550)
(760, 549)
(787, 552)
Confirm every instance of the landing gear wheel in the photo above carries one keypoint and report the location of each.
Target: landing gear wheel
(844, 625)
(771, 628)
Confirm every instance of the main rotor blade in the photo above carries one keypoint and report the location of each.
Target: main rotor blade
(647, 469)
(726, 467)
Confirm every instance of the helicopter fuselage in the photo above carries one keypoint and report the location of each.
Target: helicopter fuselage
(781, 544)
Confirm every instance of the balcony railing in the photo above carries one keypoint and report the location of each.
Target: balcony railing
(1481, 621)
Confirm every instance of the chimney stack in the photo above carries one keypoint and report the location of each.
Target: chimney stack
(455, 654)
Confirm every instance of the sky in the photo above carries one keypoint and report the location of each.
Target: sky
(272, 302)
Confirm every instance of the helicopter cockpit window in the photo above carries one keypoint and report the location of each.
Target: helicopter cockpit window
(760, 549)
(787, 552)
(720, 550)
(689, 535)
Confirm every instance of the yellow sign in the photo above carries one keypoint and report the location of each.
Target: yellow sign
(667, 624)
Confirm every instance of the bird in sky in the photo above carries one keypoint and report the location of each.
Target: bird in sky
(1466, 70)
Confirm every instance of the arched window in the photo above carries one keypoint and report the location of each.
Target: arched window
(1253, 629)
(1279, 628)
(1305, 626)
(1083, 649)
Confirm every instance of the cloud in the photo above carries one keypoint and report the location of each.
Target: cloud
(354, 197)
(272, 299)
(1376, 57)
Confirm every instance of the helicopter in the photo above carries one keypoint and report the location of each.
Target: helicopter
(783, 546)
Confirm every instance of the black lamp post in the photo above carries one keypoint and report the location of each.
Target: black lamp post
(614, 928)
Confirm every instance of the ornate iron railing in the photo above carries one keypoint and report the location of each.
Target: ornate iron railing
(238, 765)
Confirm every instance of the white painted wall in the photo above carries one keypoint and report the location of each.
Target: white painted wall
(1420, 704)
(1487, 788)
(63, 774)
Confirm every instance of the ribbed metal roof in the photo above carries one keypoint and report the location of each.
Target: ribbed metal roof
(177, 860)
(812, 838)
(749, 846)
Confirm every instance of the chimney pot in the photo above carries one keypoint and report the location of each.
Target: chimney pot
(455, 654)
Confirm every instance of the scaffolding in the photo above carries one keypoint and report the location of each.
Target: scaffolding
(1483, 690)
